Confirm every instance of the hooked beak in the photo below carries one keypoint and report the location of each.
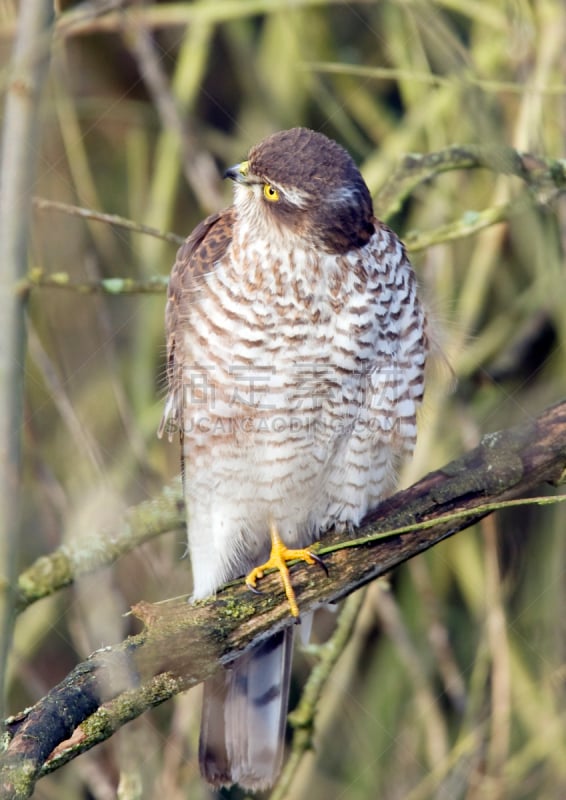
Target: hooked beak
(238, 172)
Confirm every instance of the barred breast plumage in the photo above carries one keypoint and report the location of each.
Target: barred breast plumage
(297, 349)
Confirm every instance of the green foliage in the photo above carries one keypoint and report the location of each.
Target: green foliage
(452, 683)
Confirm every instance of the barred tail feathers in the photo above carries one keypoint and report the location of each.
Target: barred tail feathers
(244, 714)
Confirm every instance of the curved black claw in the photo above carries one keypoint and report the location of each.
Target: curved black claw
(253, 589)
(320, 562)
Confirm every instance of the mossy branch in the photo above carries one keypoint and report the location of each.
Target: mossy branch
(89, 553)
(545, 177)
(183, 644)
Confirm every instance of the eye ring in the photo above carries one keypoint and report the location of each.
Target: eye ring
(270, 193)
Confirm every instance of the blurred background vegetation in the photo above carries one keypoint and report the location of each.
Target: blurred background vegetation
(452, 685)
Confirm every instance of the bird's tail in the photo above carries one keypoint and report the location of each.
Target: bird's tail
(243, 719)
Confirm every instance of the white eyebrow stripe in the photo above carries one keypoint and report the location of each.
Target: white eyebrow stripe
(294, 196)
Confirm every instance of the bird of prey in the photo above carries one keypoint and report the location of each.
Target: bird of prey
(296, 348)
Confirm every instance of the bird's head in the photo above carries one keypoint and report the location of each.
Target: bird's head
(300, 183)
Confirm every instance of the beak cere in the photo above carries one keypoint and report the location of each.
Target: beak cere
(238, 172)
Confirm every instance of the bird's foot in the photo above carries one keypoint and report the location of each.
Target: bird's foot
(279, 557)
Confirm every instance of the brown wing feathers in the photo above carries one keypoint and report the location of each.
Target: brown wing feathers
(196, 258)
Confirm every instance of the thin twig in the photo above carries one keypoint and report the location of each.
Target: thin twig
(62, 280)
(43, 204)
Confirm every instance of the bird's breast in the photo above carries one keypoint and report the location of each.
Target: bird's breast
(283, 310)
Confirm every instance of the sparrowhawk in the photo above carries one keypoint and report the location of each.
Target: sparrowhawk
(296, 350)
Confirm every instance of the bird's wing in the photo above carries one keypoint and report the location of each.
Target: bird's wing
(196, 258)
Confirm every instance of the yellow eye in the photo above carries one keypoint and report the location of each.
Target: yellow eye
(270, 193)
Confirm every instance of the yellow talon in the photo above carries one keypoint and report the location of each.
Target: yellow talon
(278, 558)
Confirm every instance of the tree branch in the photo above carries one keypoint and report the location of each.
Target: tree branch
(544, 176)
(43, 204)
(91, 552)
(183, 644)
